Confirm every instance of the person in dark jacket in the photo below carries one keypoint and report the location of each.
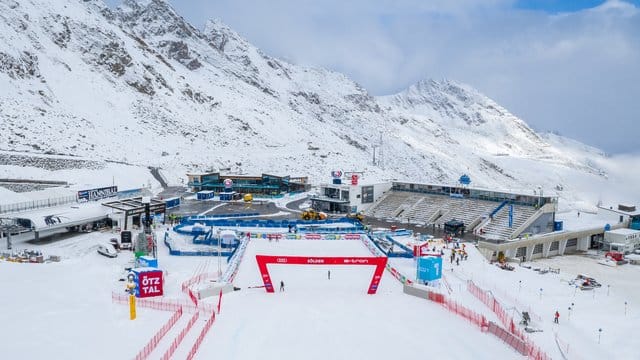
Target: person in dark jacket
(281, 285)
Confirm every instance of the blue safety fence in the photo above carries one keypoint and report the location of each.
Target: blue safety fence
(234, 262)
(233, 252)
(167, 241)
(199, 218)
(202, 237)
(385, 237)
(406, 252)
(370, 240)
(208, 221)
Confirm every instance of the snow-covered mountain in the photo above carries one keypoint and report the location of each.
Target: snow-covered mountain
(141, 85)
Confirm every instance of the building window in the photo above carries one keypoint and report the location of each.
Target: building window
(522, 251)
(537, 249)
(367, 194)
(554, 246)
(572, 242)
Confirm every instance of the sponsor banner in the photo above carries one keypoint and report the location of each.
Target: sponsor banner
(378, 262)
(354, 179)
(423, 250)
(312, 236)
(97, 194)
(150, 283)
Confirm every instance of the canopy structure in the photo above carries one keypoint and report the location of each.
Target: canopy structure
(134, 206)
(58, 217)
(454, 227)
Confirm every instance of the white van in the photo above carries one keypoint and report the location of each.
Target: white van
(107, 250)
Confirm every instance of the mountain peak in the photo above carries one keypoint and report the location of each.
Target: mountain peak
(442, 95)
(223, 38)
(155, 18)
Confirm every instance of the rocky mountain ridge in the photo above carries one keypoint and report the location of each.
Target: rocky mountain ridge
(139, 84)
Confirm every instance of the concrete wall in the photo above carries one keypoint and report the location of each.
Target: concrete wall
(378, 191)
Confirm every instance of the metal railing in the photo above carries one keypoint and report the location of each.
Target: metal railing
(37, 204)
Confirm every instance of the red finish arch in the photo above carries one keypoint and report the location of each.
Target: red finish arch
(264, 260)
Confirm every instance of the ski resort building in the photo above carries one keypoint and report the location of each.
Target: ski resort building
(625, 213)
(86, 210)
(348, 198)
(521, 226)
(491, 215)
(264, 184)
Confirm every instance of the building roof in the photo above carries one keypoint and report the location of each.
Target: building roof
(63, 216)
(624, 231)
(131, 204)
(621, 212)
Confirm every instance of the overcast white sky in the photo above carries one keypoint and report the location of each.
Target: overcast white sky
(571, 66)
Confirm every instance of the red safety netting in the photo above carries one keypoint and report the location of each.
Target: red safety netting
(459, 310)
(203, 333)
(176, 342)
(164, 304)
(528, 348)
(153, 343)
(490, 301)
(515, 342)
(197, 279)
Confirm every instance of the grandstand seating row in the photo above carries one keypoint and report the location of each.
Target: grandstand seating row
(499, 225)
(438, 209)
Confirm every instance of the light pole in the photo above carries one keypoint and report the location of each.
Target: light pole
(539, 196)
(625, 308)
(599, 333)
(219, 263)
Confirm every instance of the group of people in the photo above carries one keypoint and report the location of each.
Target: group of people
(458, 254)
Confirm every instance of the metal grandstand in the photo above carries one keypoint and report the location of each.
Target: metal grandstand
(489, 214)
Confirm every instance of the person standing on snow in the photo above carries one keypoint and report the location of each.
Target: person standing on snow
(329, 274)
(556, 317)
(281, 285)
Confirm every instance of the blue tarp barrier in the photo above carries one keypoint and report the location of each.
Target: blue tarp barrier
(227, 252)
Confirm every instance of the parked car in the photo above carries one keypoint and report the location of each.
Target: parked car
(115, 242)
(107, 250)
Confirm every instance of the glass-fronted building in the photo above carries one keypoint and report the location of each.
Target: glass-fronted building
(264, 184)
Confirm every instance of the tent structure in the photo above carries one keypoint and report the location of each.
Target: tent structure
(454, 227)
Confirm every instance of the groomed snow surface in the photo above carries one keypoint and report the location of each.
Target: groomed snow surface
(64, 310)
